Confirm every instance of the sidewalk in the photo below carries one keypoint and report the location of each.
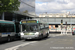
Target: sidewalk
(57, 32)
(51, 32)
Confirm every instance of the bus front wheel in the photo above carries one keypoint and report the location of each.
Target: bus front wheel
(47, 35)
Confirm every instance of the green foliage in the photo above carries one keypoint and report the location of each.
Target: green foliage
(9, 5)
(26, 11)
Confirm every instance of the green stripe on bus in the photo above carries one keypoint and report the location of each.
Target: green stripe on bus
(6, 22)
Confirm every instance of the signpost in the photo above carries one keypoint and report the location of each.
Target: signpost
(66, 26)
(61, 25)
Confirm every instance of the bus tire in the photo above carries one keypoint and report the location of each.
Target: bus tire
(26, 39)
(72, 34)
(47, 35)
(41, 36)
(9, 39)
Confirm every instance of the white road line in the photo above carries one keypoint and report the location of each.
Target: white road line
(21, 45)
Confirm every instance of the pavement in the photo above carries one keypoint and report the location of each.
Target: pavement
(64, 42)
(53, 42)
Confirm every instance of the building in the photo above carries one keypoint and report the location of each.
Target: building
(53, 19)
(53, 15)
(16, 16)
(71, 15)
(57, 15)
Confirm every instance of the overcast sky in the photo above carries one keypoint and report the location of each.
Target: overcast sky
(50, 6)
(55, 6)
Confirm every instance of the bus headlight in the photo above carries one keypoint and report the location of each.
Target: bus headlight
(21, 33)
(37, 33)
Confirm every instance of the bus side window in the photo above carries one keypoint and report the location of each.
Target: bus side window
(1, 28)
(9, 28)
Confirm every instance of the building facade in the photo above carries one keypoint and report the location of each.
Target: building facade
(57, 15)
(54, 19)
(16, 16)
(53, 15)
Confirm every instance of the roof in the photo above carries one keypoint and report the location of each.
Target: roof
(25, 14)
(4, 21)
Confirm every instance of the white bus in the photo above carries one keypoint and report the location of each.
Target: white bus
(30, 29)
(7, 30)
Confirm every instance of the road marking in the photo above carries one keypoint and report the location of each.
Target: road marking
(21, 45)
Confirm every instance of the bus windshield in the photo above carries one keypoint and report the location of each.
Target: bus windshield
(26, 27)
(34, 27)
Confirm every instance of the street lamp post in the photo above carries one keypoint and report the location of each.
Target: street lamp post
(61, 25)
(66, 27)
(71, 24)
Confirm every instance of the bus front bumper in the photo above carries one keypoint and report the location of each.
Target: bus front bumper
(29, 36)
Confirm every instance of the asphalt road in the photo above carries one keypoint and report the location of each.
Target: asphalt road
(53, 42)
(65, 42)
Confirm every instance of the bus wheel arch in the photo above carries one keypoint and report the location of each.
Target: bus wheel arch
(47, 35)
(8, 38)
(41, 36)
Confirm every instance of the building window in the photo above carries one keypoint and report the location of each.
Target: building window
(46, 16)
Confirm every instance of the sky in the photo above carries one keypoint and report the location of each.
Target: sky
(49, 6)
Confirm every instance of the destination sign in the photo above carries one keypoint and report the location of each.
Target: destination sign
(29, 21)
(23, 21)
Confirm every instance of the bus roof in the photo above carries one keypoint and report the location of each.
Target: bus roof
(4, 21)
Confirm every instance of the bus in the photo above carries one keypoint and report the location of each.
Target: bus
(31, 29)
(7, 30)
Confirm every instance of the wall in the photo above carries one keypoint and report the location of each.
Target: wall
(56, 20)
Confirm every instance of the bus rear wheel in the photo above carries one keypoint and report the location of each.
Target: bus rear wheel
(8, 39)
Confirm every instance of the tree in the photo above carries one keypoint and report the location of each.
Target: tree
(26, 11)
(9, 5)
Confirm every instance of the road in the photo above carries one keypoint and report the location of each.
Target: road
(53, 42)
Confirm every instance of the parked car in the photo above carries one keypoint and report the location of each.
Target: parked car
(73, 32)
